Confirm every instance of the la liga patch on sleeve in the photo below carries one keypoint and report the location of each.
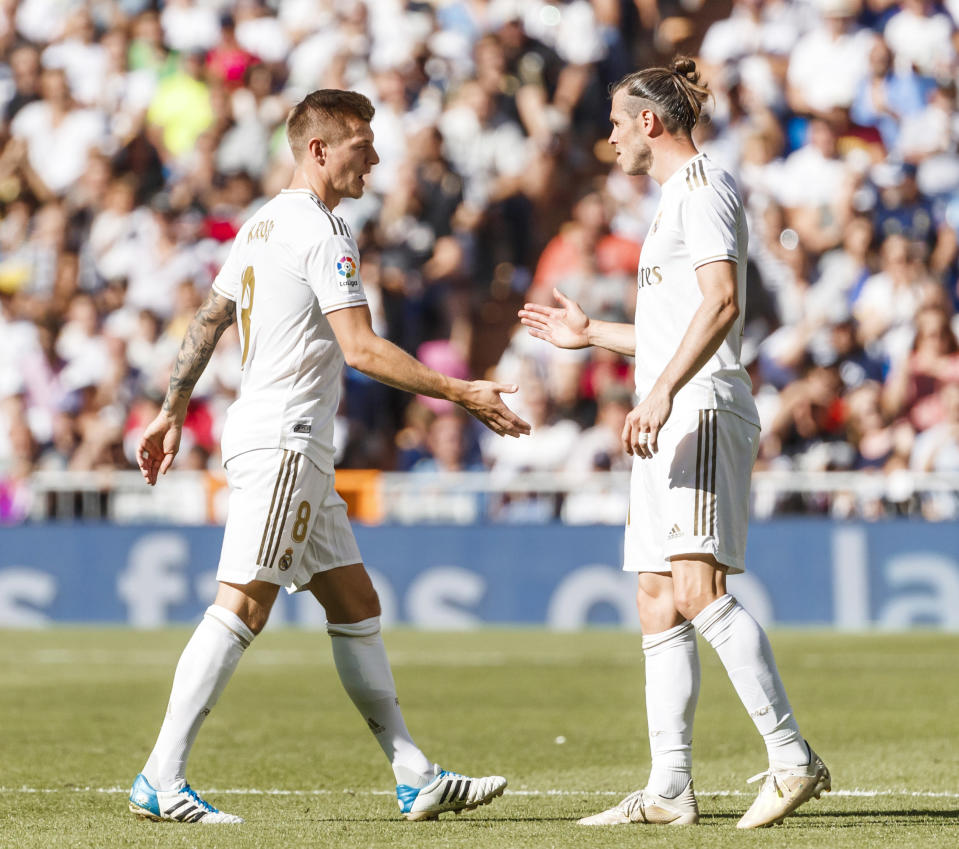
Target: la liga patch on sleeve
(346, 275)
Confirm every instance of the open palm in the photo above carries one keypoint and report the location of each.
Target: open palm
(564, 326)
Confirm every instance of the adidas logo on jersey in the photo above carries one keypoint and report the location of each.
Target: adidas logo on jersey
(674, 532)
(302, 427)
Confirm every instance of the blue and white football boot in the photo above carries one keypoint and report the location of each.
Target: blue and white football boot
(181, 805)
(449, 791)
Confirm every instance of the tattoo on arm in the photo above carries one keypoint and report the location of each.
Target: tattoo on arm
(214, 316)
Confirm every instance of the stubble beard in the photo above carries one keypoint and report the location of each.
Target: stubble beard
(640, 162)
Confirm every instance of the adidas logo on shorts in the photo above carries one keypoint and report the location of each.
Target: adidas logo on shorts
(674, 532)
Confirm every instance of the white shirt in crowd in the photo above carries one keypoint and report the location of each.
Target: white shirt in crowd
(828, 71)
(58, 152)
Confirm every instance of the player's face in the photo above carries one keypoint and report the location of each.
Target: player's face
(629, 138)
(350, 160)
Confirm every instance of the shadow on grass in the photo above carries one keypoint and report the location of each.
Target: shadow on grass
(885, 817)
(833, 819)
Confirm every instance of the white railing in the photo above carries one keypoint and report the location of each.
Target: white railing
(463, 498)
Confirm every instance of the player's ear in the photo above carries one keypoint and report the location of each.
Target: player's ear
(317, 149)
(650, 123)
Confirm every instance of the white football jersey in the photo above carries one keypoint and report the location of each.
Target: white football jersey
(290, 264)
(700, 219)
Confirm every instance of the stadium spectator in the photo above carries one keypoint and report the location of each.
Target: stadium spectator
(52, 138)
(181, 109)
(815, 185)
(937, 450)
(886, 305)
(828, 62)
(24, 63)
(920, 35)
(598, 447)
(450, 446)
(587, 261)
(915, 385)
(549, 451)
(889, 95)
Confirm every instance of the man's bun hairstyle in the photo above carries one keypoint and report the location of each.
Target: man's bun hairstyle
(674, 93)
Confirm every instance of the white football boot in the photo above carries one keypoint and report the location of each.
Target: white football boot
(449, 791)
(182, 805)
(784, 790)
(648, 808)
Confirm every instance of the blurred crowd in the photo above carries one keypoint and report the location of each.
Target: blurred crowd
(137, 136)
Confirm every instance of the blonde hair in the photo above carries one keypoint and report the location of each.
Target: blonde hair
(325, 114)
(675, 94)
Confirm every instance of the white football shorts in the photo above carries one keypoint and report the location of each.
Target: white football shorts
(692, 496)
(285, 521)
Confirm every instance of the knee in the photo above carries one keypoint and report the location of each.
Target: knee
(690, 601)
(657, 611)
(363, 601)
(359, 606)
(255, 616)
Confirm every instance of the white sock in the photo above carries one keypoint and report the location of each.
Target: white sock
(205, 666)
(744, 650)
(672, 688)
(364, 669)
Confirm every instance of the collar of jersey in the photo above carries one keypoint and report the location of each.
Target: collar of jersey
(304, 192)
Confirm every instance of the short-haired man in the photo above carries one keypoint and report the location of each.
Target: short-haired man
(292, 276)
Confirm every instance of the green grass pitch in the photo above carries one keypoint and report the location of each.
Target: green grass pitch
(79, 710)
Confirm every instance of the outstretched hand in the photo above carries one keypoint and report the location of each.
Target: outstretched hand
(564, 326)
(158, 446)
(482, 401)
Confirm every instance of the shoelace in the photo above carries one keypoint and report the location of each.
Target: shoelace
(769, 775)
(193, 795)
(633, 801)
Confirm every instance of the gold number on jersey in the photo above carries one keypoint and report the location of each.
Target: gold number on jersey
(302, 521)
(247, 283)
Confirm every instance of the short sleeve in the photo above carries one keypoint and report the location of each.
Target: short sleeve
(333, 273)
(710, 219)
(227, 282)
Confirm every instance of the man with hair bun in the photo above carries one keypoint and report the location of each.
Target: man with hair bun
(693, 436)
(292, 281)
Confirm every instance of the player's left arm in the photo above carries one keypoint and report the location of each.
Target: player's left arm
(710, 324)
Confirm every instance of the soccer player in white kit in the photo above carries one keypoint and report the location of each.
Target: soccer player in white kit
(694, 436)
(292, 281)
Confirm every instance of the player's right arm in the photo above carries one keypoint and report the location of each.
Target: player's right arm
(383, 361)
(567, 326)
(161, 440)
